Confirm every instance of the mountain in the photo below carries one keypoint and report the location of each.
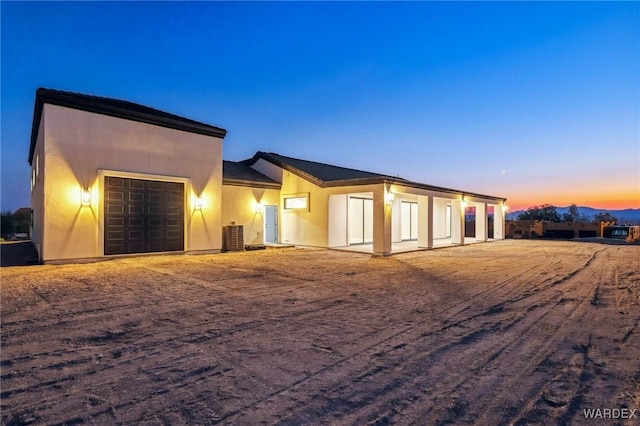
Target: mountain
(626, 215)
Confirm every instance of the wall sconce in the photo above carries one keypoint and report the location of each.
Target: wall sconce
(258, 207)
(389, 197)
(464, 203)
(198, 203)
(505, 207)
(86, 197)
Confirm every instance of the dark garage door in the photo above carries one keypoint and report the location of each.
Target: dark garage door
(143, 216)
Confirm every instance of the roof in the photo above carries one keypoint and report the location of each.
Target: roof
(327, 175)
(23, 210)
(319, 173)
(115, 108)
(240, 174)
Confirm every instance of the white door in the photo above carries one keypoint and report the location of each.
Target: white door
(270, 224)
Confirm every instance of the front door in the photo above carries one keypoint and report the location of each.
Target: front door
(271, 224)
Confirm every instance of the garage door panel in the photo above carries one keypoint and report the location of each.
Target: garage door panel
(113, 235)
(174, 198)
(114, 183)
(156, 186)
(115, 208)
(136, 196)
(135, 222)
(136, 209)
(174, 222)
(143, 216)
(136, 235)
(114, 195)
(155, 197)
(155, 222)
(115, 222)
(136, 183)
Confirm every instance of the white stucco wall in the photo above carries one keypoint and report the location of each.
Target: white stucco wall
(37, 191)
(77, 144)
(239, 206)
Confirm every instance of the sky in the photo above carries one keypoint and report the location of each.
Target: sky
(538, 102)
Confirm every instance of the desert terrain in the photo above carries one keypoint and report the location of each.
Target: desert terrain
(509, 332)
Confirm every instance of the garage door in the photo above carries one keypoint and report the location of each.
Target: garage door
(143, 216)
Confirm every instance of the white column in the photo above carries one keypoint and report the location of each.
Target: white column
(482, 226)
(498, 222)
(381, 222)
(457, 222)
(425, 221)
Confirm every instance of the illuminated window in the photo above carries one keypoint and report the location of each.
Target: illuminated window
(297, 202)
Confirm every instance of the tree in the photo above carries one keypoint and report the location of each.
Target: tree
(7, 226)
(604, 217)
(22, 219)
(573, 215)
(545, 212)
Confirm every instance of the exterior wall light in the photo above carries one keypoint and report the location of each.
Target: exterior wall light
(86, 197)
(389, 197)
(505, 207)
(258, 207)
(464, 203)
(198, 203)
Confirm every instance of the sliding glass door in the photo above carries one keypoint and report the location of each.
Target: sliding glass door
(360, 220)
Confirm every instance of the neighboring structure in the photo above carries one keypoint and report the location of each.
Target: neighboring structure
(629, 233)
(544, 229)
(111, 177)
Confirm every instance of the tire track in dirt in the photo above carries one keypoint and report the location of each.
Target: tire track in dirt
(458, 308)
(386, 397)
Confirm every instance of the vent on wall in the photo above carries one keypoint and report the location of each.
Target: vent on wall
(232, 238)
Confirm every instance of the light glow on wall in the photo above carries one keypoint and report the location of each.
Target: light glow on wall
(258, 207)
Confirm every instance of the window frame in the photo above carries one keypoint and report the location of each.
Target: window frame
(301, 195)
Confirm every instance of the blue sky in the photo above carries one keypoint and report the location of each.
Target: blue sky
(536, 102)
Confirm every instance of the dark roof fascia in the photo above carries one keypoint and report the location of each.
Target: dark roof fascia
(365, 181)
(100, 105)
(402, 182)
(251, 184)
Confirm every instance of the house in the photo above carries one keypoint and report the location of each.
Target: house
(111, 177)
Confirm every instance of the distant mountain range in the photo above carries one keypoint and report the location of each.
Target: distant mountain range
(622, 215)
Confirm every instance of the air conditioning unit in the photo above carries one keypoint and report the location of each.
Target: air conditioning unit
(232, 238)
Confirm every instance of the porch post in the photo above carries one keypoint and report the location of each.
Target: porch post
(457, 222)
(482, 228)
(498, 221)
(382, 207)
(425, 221)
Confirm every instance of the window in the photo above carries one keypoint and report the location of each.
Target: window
(296, 202)
(37, 165)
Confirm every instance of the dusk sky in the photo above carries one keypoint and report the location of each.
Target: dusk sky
(535, 102)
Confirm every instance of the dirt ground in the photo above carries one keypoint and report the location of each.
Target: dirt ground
(522, 332)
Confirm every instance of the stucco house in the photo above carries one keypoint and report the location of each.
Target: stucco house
(111, 177)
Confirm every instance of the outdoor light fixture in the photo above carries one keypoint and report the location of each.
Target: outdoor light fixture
(389, 197)
(86, 197)
(198, 203)
(505, 207)
(258, 207)
(464, 203)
